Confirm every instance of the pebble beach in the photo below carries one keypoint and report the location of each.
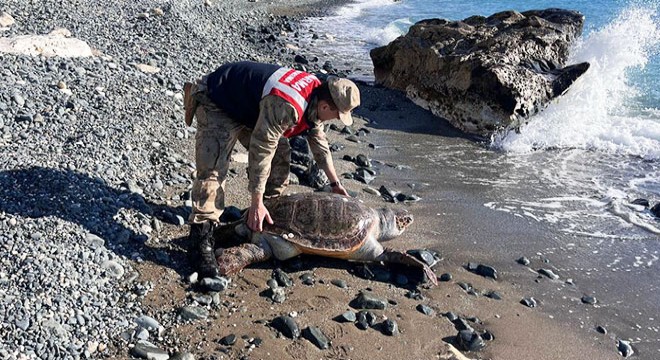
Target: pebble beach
(95, 175)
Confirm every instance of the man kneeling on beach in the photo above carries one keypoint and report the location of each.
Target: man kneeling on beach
(260, 105)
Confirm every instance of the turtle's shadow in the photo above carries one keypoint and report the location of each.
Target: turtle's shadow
(101, 209)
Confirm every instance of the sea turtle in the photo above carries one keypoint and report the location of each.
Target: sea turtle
(321, 224)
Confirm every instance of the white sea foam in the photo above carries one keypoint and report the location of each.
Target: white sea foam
(356, 8)
(599, 111)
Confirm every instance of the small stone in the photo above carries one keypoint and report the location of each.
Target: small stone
(142, 334)
(193, 278)
(307, 279)
(486, 271)
(643, 202)
(23, 323)
(193, 313)
(228, 340)
(147, 68)
(601, 329)
(348, 316)
(94, 241)
(18, 99)
(282, 278)
(488, 336)
(158, 11)
(216, 283)
(462, 324)
(364, 176)
(469, 340)
(465, 286)
(6, 20)
(278, 295)
(589, 300)
(424, 309)
(113, 269)
(287, 326)
(339, 283)
(451, 316)
(549, 274)
(203, 299)
(61, 85)
(529, 302)
(363, 161)
(182, 356)
(446, 277)
(147, 350)
(272, 283)
(316, 337)
(365, 320)
(353, 138)
(428, 257)
(347, 130)
(390, 327)
(147, 322)
(415, 295)
(523, 261)
(624, 348)
(655, 210)
(494, 295)
(370, 190)
(367, 301)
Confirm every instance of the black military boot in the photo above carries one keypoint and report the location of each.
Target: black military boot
(202, 234)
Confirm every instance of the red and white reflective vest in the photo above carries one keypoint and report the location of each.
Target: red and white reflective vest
(295, 87)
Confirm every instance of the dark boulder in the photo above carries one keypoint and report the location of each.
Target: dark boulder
(483, 74)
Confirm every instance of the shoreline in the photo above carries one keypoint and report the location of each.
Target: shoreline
(157, 277)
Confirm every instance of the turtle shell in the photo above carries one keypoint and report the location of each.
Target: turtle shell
(321, 223)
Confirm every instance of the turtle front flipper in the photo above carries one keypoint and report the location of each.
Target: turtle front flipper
(234, 259)
(398, 257)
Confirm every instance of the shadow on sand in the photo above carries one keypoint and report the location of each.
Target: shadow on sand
(38, 192)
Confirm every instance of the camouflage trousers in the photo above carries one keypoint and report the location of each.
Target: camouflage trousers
(215, 139)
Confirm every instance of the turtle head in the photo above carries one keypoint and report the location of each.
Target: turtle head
(393, 222)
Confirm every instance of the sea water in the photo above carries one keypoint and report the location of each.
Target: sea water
(577, 165)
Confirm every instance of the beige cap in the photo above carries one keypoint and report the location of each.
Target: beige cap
(346, 96)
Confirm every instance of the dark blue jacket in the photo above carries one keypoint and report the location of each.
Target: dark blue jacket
(237, 89)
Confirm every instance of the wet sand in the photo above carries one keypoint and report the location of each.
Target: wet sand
(450, 219)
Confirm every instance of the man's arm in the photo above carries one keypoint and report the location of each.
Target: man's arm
(321, 150)
(275, 116)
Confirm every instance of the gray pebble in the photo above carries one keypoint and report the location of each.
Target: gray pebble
(282, 278)
(278, 295)
(287, 326)
(549, 274)
(216, 283)
(348, 316)
(316, 337)
(624, 348)
(426, 310)
(367, 301)
(523, 261)
(228, 340)
(146, 350)
(589, 300)
(469, 340)
(307, 279)
(193, 313)
(445, 277)
(339, 283)
(529, 302)
(390, 327)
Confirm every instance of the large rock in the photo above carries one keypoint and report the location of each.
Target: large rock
(484, 73)
(57, 43)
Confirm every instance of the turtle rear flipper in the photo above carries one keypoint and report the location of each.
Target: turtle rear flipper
(234, 259)
(398, 257)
